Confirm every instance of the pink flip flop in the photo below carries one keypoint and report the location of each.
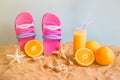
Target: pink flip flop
(24, 27)
(51, 32)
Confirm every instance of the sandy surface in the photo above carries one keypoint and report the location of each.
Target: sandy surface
(56, 67)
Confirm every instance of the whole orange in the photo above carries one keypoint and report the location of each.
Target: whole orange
(93, 45)
(104, 55)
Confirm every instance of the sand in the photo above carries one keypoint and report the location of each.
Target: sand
(56, 67)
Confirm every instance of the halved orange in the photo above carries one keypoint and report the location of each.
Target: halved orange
(33, 48)
(84, 56)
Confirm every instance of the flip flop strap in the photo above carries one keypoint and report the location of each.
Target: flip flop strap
(25, 35)
(51, 30)
(52, 37)
(48, 32)
(21, 31)
(25, 30)
(50, 27)
(24, 26)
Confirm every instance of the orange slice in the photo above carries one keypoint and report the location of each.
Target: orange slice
(84, 56)
(33, 48)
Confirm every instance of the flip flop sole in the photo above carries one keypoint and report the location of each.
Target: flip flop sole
(51, 30)
(24, 28)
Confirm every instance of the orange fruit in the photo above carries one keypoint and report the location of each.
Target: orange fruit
(93, 45)
(33, 48)
(84, 56)
(104, 55)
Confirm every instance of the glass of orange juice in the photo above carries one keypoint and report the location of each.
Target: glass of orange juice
(79, 39)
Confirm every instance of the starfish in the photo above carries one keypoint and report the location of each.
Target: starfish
(61, 52)
(16, 57)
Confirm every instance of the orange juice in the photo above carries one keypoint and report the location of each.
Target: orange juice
(79, 40)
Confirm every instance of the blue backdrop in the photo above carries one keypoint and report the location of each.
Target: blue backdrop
(73, 13)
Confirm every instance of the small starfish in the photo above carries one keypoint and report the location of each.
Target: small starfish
(61, 53)
(16, 57)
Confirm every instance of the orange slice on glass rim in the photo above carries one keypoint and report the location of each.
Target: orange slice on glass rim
(84, 56)
(33, 48)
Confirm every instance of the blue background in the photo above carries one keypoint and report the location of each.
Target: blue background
(105, 15)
